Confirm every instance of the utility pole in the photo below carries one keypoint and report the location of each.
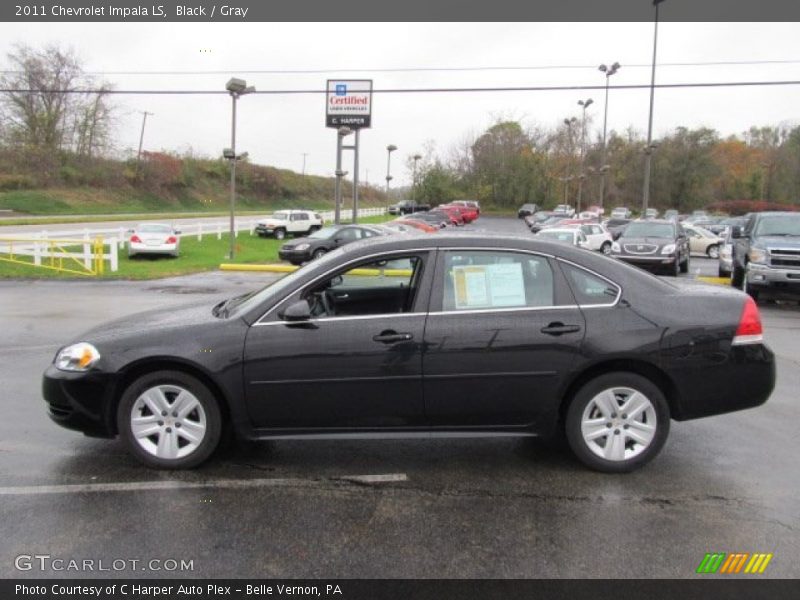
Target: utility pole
(584, 104)
(648, 151)
(304, 164)
(141, 138)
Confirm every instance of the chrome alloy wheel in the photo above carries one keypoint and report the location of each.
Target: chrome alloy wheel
(618, 423)
(168, 421)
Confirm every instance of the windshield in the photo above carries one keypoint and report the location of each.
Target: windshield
(281, 216)
(324, 233)
(655, 230)
(561, 236)
(788, 225)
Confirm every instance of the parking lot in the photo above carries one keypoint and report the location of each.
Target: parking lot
(481, 508)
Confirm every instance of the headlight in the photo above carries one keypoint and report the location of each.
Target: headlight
(615, 247)
(301, 247)
(668, 249)
(758, 255)
(78, 357)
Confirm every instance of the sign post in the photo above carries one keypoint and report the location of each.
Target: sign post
(348, 108)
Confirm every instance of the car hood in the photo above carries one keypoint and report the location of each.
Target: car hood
(145, 324)
(646, 240)
(778, 241)
(304, 240)
(270, 222)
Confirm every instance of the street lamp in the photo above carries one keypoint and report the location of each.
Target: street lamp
(235, 87)
(389, 149)
(609, 71)
(584, 104)
(648, 155)
(341, 133)
(416, 157)
(567, 177)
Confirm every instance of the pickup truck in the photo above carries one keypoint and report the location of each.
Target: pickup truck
(406, 207)
(766, 254)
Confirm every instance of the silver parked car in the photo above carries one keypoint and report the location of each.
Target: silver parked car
(154, 238)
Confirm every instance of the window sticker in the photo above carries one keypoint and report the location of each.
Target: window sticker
(489, 286)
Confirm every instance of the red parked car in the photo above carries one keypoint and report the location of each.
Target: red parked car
(451, 213)
(420, 225)
(468, 213)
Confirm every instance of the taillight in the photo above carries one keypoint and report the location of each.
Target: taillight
(749, 330)
(136, 239)
(172, 240)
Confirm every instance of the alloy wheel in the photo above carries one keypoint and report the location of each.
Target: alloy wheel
(168, 422)
(618, 423)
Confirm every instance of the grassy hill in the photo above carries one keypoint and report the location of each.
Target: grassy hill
(64, 184)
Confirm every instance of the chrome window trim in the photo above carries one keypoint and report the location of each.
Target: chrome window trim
(316, 279)
(339, 319)
(502, 310)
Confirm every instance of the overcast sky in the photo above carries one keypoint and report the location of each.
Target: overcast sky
(277, 130)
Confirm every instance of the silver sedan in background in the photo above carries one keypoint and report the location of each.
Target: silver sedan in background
(154, 238)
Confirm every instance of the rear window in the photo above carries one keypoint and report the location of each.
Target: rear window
(589, 289)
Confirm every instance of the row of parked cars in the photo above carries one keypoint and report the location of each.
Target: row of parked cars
(312, 239)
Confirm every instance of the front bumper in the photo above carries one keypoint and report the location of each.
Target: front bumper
(81, 401)
(653, 262)
(778, 279)
(265, 229)
(293, 256)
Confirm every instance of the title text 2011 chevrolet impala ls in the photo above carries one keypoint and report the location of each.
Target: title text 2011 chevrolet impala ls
(405, 336)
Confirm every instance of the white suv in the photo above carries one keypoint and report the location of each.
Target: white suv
(286, 222)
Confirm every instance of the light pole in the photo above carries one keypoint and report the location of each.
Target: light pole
(648, 149)
(416, 157)
(141, 138)
(609, 71)
(341, 133)
(567, 177)
(584, 104)
(236, 87)
(304, 164)
(389, 149)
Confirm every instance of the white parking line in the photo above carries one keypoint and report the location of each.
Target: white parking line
(144, 486)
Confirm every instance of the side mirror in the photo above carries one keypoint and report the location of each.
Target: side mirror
(299, 311)
(736, 232)
(337, 240)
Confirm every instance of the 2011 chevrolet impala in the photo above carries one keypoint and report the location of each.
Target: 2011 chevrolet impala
(417, 336)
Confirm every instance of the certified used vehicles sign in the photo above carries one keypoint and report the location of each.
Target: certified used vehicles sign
(348, 103)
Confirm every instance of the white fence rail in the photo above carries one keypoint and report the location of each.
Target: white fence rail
(38, 244)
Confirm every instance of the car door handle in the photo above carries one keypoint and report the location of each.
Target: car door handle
(390, 337)
(341, 296)
(560, 328)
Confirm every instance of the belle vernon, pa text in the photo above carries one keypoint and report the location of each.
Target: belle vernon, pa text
(155, 10)
(167, 591)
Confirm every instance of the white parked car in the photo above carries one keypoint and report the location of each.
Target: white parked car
(621, 212)
(289, 222)
(564, 209)
(565, 235)
(597, 237)
(702, 241)
(154, 238)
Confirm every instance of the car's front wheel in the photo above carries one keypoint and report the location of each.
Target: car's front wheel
(169, 420)
(606, 248)
(617, 422)
(713, 252)
(280, 234)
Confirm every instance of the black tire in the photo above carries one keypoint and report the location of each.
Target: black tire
(210, 407)
(313, 229)
(582, 399)
(280, 234)
(713, 251)
(606, 248)
(685, 266)
(753, 293)
(318, 253)
(722, 273)
(675, 268)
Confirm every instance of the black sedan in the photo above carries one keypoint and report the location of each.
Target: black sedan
(424, 336)
(321, 242)
(526, 210)
(655, 245)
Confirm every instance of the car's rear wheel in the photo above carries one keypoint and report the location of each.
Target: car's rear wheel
(319, 253)
(713, 251)
(169, 420)
(617, 422)
(606, 248)
(280, 234)
(313, 229)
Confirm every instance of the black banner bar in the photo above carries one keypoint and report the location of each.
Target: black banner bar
(733, 588)
(408, 10)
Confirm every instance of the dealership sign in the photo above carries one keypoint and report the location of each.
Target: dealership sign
(348, 103)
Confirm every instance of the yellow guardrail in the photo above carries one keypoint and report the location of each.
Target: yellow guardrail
(46, 253)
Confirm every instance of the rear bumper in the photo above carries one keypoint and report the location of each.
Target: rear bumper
(744, 380)
(81, 401)
(134, 248)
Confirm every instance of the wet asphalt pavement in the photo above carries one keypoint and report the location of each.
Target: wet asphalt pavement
(454, 508)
